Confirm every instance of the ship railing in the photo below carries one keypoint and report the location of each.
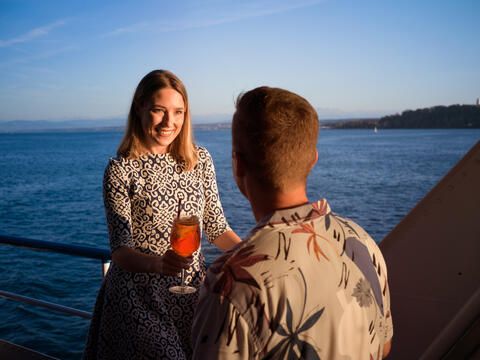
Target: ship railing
(75, 250)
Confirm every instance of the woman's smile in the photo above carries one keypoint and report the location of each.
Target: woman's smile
(164, 132)
(163, 119)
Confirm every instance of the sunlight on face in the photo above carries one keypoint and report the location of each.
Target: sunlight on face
(162, 119)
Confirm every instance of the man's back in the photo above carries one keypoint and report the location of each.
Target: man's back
(305, 284)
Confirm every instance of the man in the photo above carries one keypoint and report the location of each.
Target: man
(306, 283)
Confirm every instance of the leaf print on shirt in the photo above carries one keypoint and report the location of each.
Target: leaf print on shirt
(283, 244)
(318, 209)
(359, 254)
(362, 293)
(321, 207)
(232, 270)
(309, 229)
(292, 346)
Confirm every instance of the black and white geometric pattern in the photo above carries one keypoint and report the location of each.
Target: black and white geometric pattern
(135, 315)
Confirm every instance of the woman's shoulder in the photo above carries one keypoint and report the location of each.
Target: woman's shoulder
(202, 150)
(118, 164)
(116, 161)
(203, 154)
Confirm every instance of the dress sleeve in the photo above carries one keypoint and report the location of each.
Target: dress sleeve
(117, 206)
(214, 221)
(219, 330)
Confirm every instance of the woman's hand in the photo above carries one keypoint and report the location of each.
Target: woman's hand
(171, 263)
(135, 261)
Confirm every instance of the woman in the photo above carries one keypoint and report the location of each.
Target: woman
(158, 170)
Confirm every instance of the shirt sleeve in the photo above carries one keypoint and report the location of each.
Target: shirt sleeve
(214, 221)
(117, 206)
(386, 300)
(382, 274)
(219, 330)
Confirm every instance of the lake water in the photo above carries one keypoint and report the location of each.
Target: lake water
(50, 189)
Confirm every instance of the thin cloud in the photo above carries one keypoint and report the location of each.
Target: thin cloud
(40, 56)
(32, 34)
(127, 29)
(248, 11)
(258, 10)
(252, 10)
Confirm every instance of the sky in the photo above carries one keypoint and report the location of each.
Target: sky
(69, 60)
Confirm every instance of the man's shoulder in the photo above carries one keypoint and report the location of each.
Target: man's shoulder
(224, 269)
(353, 229)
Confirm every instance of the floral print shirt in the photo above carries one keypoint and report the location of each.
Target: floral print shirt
(306, 283)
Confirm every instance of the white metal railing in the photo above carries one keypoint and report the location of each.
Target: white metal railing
(75, 250)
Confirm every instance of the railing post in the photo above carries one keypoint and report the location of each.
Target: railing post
(105, 266)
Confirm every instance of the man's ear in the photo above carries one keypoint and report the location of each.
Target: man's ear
(238, 165)
(316, 159)
(239, 170)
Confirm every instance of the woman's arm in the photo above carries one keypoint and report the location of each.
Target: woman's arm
(227, 240)
(118, 214)
(214, 222)
(134, 261)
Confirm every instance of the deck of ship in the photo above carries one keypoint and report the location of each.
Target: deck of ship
(12, 351)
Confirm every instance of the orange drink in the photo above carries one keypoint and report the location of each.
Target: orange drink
(185, 237)
(185, 240)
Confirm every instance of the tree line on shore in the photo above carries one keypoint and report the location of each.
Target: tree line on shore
(437, 117)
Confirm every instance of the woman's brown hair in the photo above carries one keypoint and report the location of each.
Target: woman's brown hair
(133, 143)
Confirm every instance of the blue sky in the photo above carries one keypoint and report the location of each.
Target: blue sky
(83, 60)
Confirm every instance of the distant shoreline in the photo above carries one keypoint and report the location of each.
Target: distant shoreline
(437, 117)
(211, 127)
(217, 126)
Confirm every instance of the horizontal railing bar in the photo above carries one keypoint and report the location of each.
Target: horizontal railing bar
(75, 250)
(45, 304)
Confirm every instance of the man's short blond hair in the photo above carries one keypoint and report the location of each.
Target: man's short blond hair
(275, 133)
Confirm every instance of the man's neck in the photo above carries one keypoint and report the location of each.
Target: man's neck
(264, 202)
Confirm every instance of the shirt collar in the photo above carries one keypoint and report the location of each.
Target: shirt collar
(301, 213)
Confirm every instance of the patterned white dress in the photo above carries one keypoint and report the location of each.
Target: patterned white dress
(135, 315)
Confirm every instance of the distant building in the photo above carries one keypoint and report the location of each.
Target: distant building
(478, 101)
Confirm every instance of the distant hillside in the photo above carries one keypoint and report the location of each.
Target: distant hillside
(437, 117)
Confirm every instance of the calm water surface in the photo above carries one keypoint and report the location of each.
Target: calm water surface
(50, 189)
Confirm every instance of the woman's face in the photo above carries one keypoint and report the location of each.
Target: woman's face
(162, 119)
